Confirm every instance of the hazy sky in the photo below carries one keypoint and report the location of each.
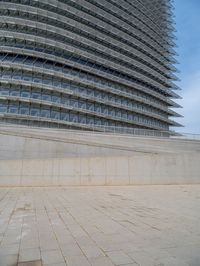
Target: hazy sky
(187, 19)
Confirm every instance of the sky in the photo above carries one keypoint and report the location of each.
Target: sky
(187, 17)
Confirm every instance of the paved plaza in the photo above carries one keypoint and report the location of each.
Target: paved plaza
(100, 226)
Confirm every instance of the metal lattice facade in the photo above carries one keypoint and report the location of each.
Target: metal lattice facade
(87, 63)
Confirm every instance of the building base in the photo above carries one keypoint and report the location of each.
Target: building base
(48, 157)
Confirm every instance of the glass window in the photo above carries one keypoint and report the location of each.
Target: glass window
(97, 108)
(47, 81)
(3, 107)
(90, 106)
(90, 120)
(112, 112)
(46, 97)
(55, 114)
(117, 100)
(16, 76)
(65, 116)
(97, 94)
(73, 118)
(66, 85)
(13, 108)
(130, 116)
(90, 92)
(27, 78)
(35, 111)
(73, 87)
(25, 93)
(15, 93)
(6, 76)
(56, 83)
(104, 110)
(74, 103)
(124, 115)
(29, 61)
(37, 80)
(124, 101)
(97, 121)
(82, 119)
(56, 98)
(82, 90)
(104, 96)
(82, 104)
(65, 100)
(4, 91)
(45, 112)
(36, 95)
(24, 109)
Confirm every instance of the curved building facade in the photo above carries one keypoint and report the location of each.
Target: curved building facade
(87, 63)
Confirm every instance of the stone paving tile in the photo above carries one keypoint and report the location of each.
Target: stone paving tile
(9, 250)
(8, 260)
(30, 263)
(92, 251)
(101, 261)
(29, 243)
(56, 264)
(29, 254)
(101, 226)
(143, 258)
(49, 245)
(52, 256)
(119, 257)
(71, 250)
(172, 262)
(132, 264)
(77, 261)
(189, 254)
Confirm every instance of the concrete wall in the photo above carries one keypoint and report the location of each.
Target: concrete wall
(134, 170)
(27, 160)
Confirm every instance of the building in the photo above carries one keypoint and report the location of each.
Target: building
(88, 63)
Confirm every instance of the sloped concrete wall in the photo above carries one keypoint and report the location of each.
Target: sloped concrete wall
(27, 160)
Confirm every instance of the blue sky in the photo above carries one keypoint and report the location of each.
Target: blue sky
(187, 19)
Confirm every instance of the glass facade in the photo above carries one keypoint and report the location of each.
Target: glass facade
(89, 63)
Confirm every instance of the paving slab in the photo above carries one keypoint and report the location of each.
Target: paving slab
(100, 226)
(30, 263)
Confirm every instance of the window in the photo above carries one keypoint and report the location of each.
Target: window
(25, 93)
(65, 100)
(73, 117)
(4, 91)
(82, 119)
(35, 111)
(3, 107)
(24, 109)
(55, 114)
(13, 108)
(36, 95)
(46, 97)
(64, 116)
(56, 98)
(45, 112)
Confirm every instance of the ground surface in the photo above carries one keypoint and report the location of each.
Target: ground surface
(101, 226)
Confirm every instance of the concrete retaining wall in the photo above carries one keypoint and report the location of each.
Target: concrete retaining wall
(32, 161)
(134, 170)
